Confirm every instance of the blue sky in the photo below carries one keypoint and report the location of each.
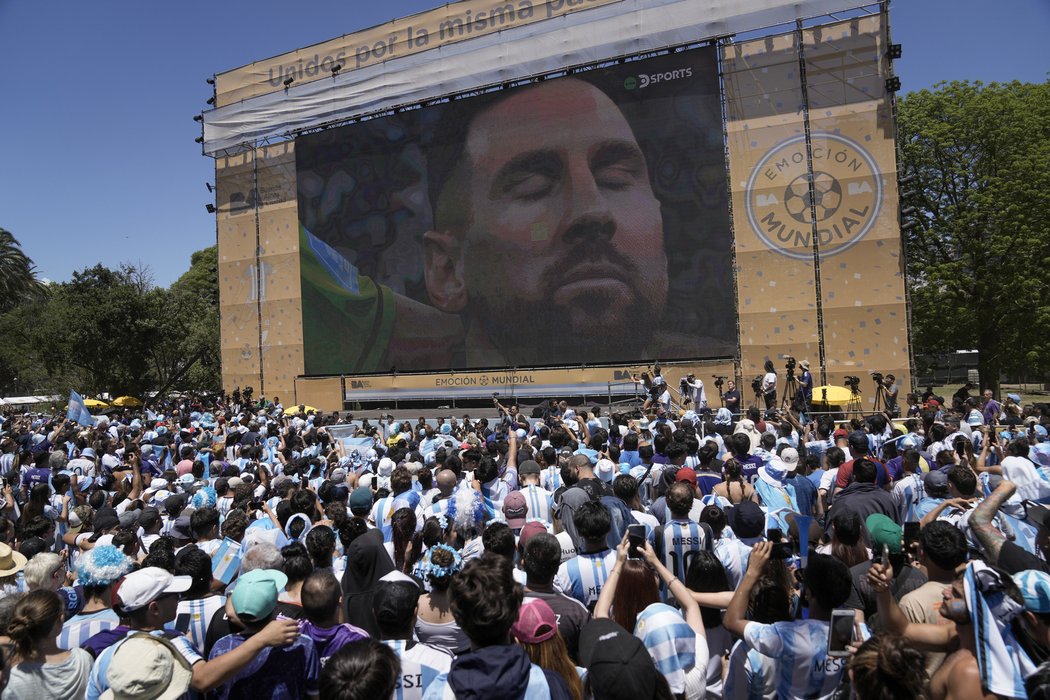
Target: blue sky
(99, 163)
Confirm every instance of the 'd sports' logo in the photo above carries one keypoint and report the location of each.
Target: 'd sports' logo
(845, 200)
(644, 80)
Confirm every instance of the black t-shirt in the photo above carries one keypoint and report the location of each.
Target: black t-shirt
(1013, 559)
(595, 488)
(571, 614)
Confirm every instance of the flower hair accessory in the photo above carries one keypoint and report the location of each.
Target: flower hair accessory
(442, 521)
(435, 571)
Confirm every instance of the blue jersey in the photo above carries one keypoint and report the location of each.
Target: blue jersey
(539, 503)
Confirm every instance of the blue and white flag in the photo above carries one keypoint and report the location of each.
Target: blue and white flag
(77, 411)
(226, 561)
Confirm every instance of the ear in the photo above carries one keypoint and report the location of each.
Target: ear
(443, 269)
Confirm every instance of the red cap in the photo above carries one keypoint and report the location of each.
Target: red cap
(933, 403)
(529, 531)
(840, 433)
(515, 509)
(686, 474)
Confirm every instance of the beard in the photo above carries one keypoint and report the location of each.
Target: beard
(594, 325)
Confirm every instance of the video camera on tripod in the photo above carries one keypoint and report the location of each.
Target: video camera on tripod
(790, 367)
(876, 377)
(720, 380)
(756, 384)
(853, 383)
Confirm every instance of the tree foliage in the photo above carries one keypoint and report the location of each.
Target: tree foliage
(115, 331)
(979, 256)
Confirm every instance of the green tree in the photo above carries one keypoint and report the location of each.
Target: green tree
(18, 279)
(979, 252)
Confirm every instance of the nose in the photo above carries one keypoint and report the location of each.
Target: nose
(587, 214)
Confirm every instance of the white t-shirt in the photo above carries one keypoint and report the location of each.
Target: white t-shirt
(769, 382)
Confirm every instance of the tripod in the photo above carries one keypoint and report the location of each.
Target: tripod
(758, 402)
(790, 391)
(853, 407)
(882, 397)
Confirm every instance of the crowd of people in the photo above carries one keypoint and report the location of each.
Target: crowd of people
(229, 548)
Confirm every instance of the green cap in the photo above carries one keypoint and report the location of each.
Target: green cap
(255, 596)
(884, 531)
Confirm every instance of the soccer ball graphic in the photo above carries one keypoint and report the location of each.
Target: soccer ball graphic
(827, 197)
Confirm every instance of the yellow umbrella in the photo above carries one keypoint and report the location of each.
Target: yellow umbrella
(834, 396)
(95, 403)
(126, 401)
(293, 410)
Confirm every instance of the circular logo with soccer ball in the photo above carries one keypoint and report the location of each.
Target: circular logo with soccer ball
(843, 196)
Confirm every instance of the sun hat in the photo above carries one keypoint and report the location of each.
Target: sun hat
(536, 622)
(11, 562)
(145, 667)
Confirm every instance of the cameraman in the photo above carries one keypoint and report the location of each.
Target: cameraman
(890, 383)
(805, 387)
(769, 385)
(692, 391)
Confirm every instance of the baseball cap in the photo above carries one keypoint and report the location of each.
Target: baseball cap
(106, 519)
(840, 433)
(884, 531)
(746, 519)
(140, 588)
(933, 403)
(686, 474)
(618, 664)
(529, 531)
(255, 596)
(181, 529)
(361, 498)
(529, 467)
(338, 475)
(936, 481)
(789, 456)
(858, 440)
(536, 622)
(145, 667)
(515, 509)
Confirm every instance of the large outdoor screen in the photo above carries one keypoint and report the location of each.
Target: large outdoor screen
(578, 220)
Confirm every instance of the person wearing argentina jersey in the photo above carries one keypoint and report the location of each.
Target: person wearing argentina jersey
(583, 576)
(681, 534)
(908, 487)
(538, 500)
(394, 605)
(400, 482)
(799, 648)
(493, 489)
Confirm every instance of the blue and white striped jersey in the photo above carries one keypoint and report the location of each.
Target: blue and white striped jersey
(539, 502)
(193, 617)
(679, 537)
(671, 642)
(585, 574)
(98, 683)
(734, 555)
(800, 650)
(907, 492)
(421, 664)
(551, 479)
(78, 629)
(380, 517)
